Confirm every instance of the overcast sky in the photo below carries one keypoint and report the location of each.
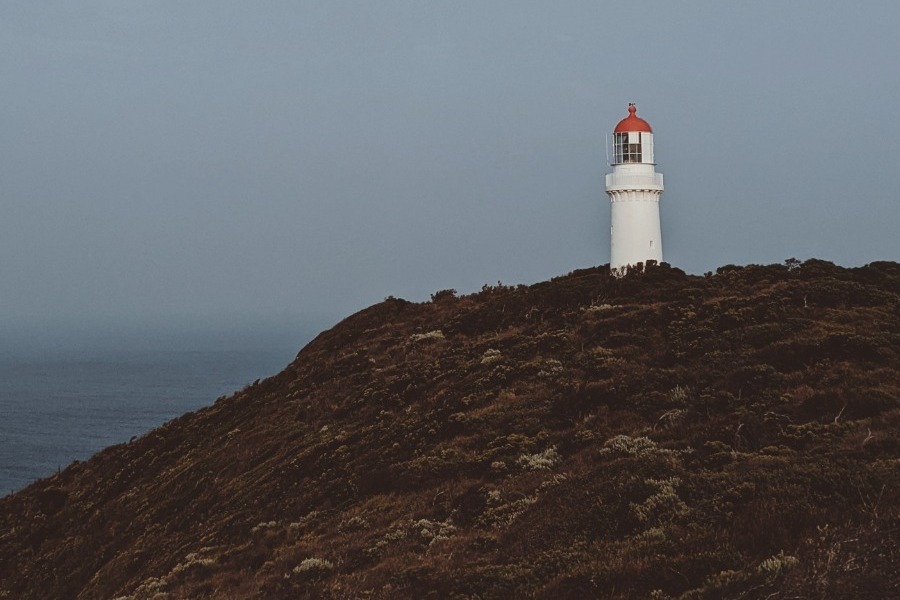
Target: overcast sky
(176, 161)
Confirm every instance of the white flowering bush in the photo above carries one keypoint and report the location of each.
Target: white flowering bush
(624, 445)
(500, 514)
(263, 526)
(554, 481)
(434, 531)
(424, 531)
(392, 536)
(437, 334)
(192, 560)
(598, 307)
(353, 524)
(491, 356)
(154, 588)
(313, 564)
(305, 520)
(550, 368)
(663, 505)
(540, 461)
(653, 535)
(679, 394)
(778, 564)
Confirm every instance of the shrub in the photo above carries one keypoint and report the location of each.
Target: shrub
(441, 295)
(313, 564)
(437, 334)
(624, 445)
(540, 461)
(778, 564)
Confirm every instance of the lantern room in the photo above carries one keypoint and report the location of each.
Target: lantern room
(632, 140)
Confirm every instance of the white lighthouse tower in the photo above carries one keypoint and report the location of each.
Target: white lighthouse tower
(634, 188)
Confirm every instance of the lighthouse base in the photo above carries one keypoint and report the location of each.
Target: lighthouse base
(635, 235)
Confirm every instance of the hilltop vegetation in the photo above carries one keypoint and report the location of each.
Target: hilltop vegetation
(664, 436)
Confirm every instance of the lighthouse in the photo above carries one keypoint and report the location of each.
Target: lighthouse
(634, 188)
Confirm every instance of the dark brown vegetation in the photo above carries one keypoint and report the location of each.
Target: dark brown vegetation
(657, 436)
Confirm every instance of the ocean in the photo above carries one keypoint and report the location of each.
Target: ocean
(65, 405)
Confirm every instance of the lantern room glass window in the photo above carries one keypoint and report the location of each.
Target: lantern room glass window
(628, 147)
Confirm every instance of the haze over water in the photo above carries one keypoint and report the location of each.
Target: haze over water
(65, 404)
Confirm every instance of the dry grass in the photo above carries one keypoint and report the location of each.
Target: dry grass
(654, 436)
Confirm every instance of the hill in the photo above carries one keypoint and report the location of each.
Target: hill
(734, 435)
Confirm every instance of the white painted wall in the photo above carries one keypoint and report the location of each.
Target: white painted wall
(634, 190)
(635, 235)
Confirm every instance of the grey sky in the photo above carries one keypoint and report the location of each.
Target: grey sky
(185, 160)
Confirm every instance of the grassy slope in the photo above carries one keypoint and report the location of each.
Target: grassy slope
(660, 435)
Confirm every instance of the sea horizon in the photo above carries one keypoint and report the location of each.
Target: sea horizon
(65, 397)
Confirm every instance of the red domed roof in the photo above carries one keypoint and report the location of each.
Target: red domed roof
(632, 122)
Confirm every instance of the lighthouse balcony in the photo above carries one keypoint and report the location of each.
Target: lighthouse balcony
(634, 181)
